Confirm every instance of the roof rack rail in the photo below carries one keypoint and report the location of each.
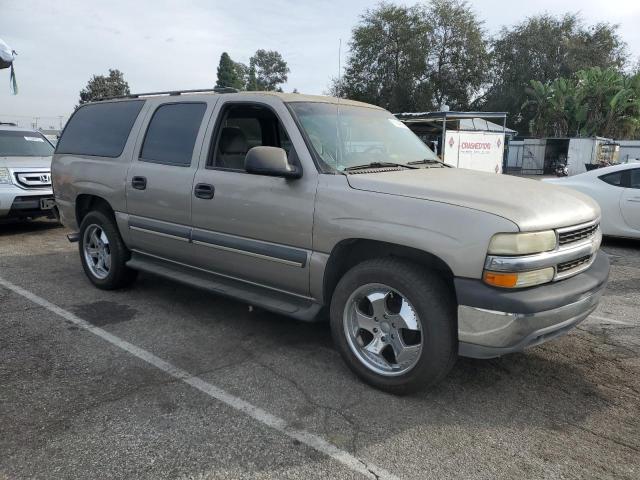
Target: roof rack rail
(173, 93)
(11, 124)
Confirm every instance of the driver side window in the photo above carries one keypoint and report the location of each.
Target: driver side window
(243, 127)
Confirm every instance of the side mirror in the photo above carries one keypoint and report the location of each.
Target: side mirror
(270, 161)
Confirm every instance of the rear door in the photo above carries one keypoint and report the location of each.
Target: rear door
(630, 200)
(159, 182)
(254, 227)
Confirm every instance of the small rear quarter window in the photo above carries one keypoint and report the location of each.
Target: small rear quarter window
(614, 179)
(99, 129)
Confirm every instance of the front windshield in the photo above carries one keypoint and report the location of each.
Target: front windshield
(345, 136)
(16, 143)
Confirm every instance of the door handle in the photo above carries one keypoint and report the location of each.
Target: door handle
(139, 183)
(204, 191)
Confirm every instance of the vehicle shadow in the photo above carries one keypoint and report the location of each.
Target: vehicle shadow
(15, 227)
(547, 386)
(618, 242)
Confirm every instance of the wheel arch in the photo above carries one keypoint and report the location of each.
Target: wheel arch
(85, 203)
(348, 253)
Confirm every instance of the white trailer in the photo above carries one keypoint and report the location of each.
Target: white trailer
(483, 151)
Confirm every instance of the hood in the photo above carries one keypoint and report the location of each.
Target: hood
(530, 204)
(25, 162)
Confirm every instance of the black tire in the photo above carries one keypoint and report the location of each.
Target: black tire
(435, 305)
(119, 275)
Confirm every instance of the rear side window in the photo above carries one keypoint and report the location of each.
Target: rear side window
(614, 179)
(99, 129)
(172, 133)
(634, 181)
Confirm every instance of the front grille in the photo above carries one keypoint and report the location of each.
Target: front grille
(570, 265)
(576, 235)
(33, 179)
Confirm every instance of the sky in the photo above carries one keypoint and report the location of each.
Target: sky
(168, 45)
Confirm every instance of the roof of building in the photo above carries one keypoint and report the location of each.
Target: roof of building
(467, 121)
(448, 115)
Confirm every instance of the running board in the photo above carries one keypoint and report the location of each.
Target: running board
(272, 300)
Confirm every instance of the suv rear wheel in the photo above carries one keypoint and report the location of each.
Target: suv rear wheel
(103, 253)
(394, 324)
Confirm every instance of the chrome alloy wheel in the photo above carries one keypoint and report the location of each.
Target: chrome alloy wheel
(97, 252)
(383, 329)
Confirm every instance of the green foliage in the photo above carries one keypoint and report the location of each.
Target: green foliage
(267, 71)
(416, 58)
(386, 63)
(596, 101)
(545, 47)
(457, 54)
(100, 86)
(230, 73)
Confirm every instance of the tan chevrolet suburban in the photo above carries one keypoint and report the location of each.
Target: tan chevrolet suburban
(294, 203)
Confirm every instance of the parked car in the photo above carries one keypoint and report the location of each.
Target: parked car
(294, 203)
(617, 191)
(25, 174)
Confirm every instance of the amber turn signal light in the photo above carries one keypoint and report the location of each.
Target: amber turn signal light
(499, 279)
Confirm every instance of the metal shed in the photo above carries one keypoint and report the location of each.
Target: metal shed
(463, 139)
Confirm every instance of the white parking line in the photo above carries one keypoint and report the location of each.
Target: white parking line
(262, 416)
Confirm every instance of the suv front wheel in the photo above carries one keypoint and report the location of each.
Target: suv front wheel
(394, 324)
(103, 253)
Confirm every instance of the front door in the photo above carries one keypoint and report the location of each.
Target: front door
(254, 227)
(159, 182)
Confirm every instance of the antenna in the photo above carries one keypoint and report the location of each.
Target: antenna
(340, 67)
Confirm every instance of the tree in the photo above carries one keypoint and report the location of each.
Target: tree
(416, 58)
(100, 86)
(545, 48)
(457, 54)
(553, 107)
(386, 61)
(267, 71)
(252, 81)
(230, 73)
(594, 101)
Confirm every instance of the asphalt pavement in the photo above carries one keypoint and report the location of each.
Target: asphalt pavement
(162, 381)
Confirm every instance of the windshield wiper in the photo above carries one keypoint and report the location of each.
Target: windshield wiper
(377, 165)
(428, 161)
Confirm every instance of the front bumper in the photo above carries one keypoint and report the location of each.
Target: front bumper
(19, 203)
(493, 322)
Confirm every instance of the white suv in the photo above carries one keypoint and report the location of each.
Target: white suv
(25, 174)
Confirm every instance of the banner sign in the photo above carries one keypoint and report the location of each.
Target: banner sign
(474, 150)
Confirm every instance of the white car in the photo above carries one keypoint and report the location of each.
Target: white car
(617, 191)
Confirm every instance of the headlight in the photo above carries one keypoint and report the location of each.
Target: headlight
(5, 177)
(522, 243)
(520, 279)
